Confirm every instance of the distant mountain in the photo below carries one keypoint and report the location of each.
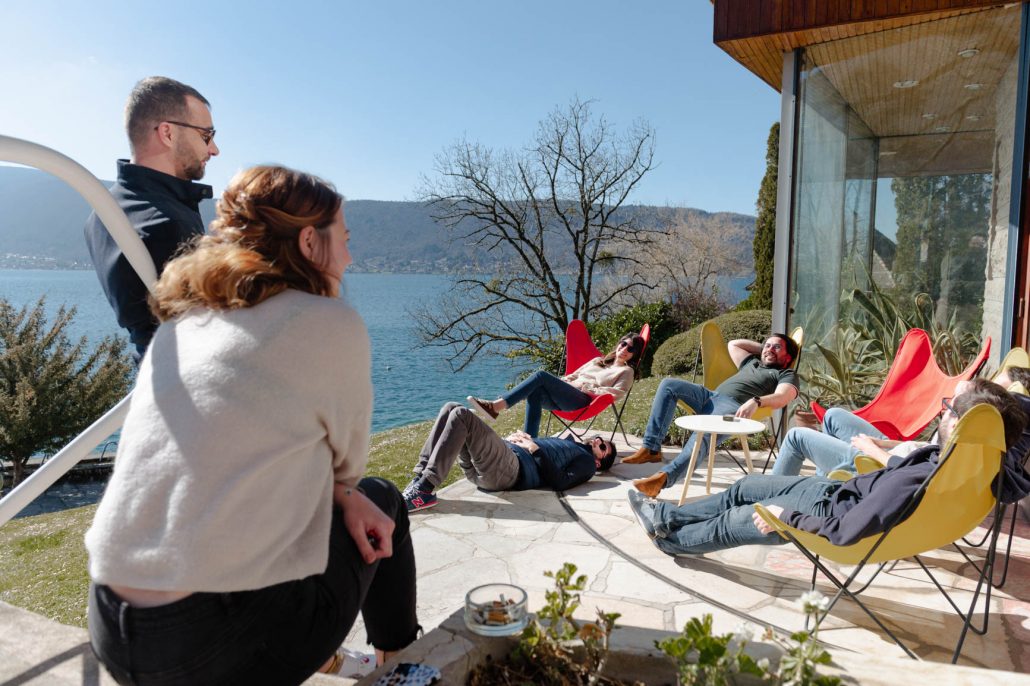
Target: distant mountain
(41, 221)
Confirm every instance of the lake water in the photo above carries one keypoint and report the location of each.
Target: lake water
(411, 383)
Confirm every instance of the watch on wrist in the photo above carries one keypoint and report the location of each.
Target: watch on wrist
(757, 399)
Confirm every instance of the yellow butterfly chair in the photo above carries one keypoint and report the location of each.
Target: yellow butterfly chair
(717, 366)
(952, 501)
(866, 463)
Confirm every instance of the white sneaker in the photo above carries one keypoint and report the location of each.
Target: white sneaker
(355, 664)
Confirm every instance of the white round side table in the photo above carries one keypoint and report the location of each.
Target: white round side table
(715, 425)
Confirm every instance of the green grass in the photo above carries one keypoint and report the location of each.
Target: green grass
(44, 560)
(44, 564)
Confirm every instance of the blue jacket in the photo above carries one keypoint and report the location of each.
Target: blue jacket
(559, 464)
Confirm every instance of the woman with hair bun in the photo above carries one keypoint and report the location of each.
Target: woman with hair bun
(236, 541)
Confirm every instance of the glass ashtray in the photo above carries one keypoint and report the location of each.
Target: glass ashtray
(495, 610)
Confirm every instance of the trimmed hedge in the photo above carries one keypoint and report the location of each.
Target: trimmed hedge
(676, 357)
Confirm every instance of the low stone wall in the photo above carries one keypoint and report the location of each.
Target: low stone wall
(454, 650)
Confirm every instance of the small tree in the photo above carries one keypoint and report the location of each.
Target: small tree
(548, 217)
(688, 256)
(764, 244)
(51, 389)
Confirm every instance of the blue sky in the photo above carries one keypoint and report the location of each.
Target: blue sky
(367, 94)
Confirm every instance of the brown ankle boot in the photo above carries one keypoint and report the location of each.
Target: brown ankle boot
(643, 456)
(652, 485)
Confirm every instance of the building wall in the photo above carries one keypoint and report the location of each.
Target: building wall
(997, 253)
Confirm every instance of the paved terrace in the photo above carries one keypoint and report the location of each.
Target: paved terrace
(473, 537)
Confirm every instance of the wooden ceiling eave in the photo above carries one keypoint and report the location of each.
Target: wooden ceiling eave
(762, 55)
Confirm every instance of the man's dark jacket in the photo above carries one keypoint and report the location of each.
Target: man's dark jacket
(165, 211)
(559, 464)
(869, 503)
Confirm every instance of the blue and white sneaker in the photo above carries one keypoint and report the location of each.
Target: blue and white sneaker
(412, 486)
(418, 499)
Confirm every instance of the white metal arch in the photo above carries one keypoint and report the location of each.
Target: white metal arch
(100, 199)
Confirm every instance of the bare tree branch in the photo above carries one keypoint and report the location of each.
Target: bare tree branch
(549, 216)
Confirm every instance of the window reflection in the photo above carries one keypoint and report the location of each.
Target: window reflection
(902, 191)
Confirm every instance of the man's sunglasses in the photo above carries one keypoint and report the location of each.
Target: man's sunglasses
(947, 407)
(207, 134)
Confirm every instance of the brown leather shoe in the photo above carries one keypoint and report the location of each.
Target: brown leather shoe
(484, 408)
(652, 485)
(643, 456)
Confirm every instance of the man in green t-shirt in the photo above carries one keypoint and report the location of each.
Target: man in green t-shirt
(764, 378)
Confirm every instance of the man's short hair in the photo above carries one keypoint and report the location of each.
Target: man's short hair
(1019, 375)
(789, 343)
(983, 391)
(609, 456)
(153, 100)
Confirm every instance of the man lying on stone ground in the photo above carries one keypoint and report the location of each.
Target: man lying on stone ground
(516, 463)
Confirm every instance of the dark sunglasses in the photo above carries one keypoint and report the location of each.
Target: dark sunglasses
(946, 406)
(207, 134)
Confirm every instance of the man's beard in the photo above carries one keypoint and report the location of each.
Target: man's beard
(190, 168)
(193, 171)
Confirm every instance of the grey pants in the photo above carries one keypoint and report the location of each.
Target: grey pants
(458, 434)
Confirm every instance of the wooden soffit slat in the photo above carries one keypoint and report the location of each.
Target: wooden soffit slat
(756, 33)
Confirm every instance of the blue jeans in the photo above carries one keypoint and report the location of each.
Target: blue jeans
(663, 411)
(722, 521)
(545, 391)
(828, 451)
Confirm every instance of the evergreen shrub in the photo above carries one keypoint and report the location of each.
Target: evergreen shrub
(677, 355)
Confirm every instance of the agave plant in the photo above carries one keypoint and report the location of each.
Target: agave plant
(856, 356)
(886, 323)
(851, 370)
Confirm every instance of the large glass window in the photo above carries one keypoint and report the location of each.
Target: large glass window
(901, 205)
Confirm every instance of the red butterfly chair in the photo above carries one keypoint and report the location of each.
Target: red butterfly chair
(580, 349)
(910, 397)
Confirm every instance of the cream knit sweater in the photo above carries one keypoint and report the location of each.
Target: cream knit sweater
(238, 426)
(593, 377)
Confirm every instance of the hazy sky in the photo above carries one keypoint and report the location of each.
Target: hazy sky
(366, 94)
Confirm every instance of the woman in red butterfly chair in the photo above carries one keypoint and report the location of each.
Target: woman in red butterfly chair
(613, 374)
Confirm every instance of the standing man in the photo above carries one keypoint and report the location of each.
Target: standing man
(764, 378)
(517, 463)
(171, 137)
